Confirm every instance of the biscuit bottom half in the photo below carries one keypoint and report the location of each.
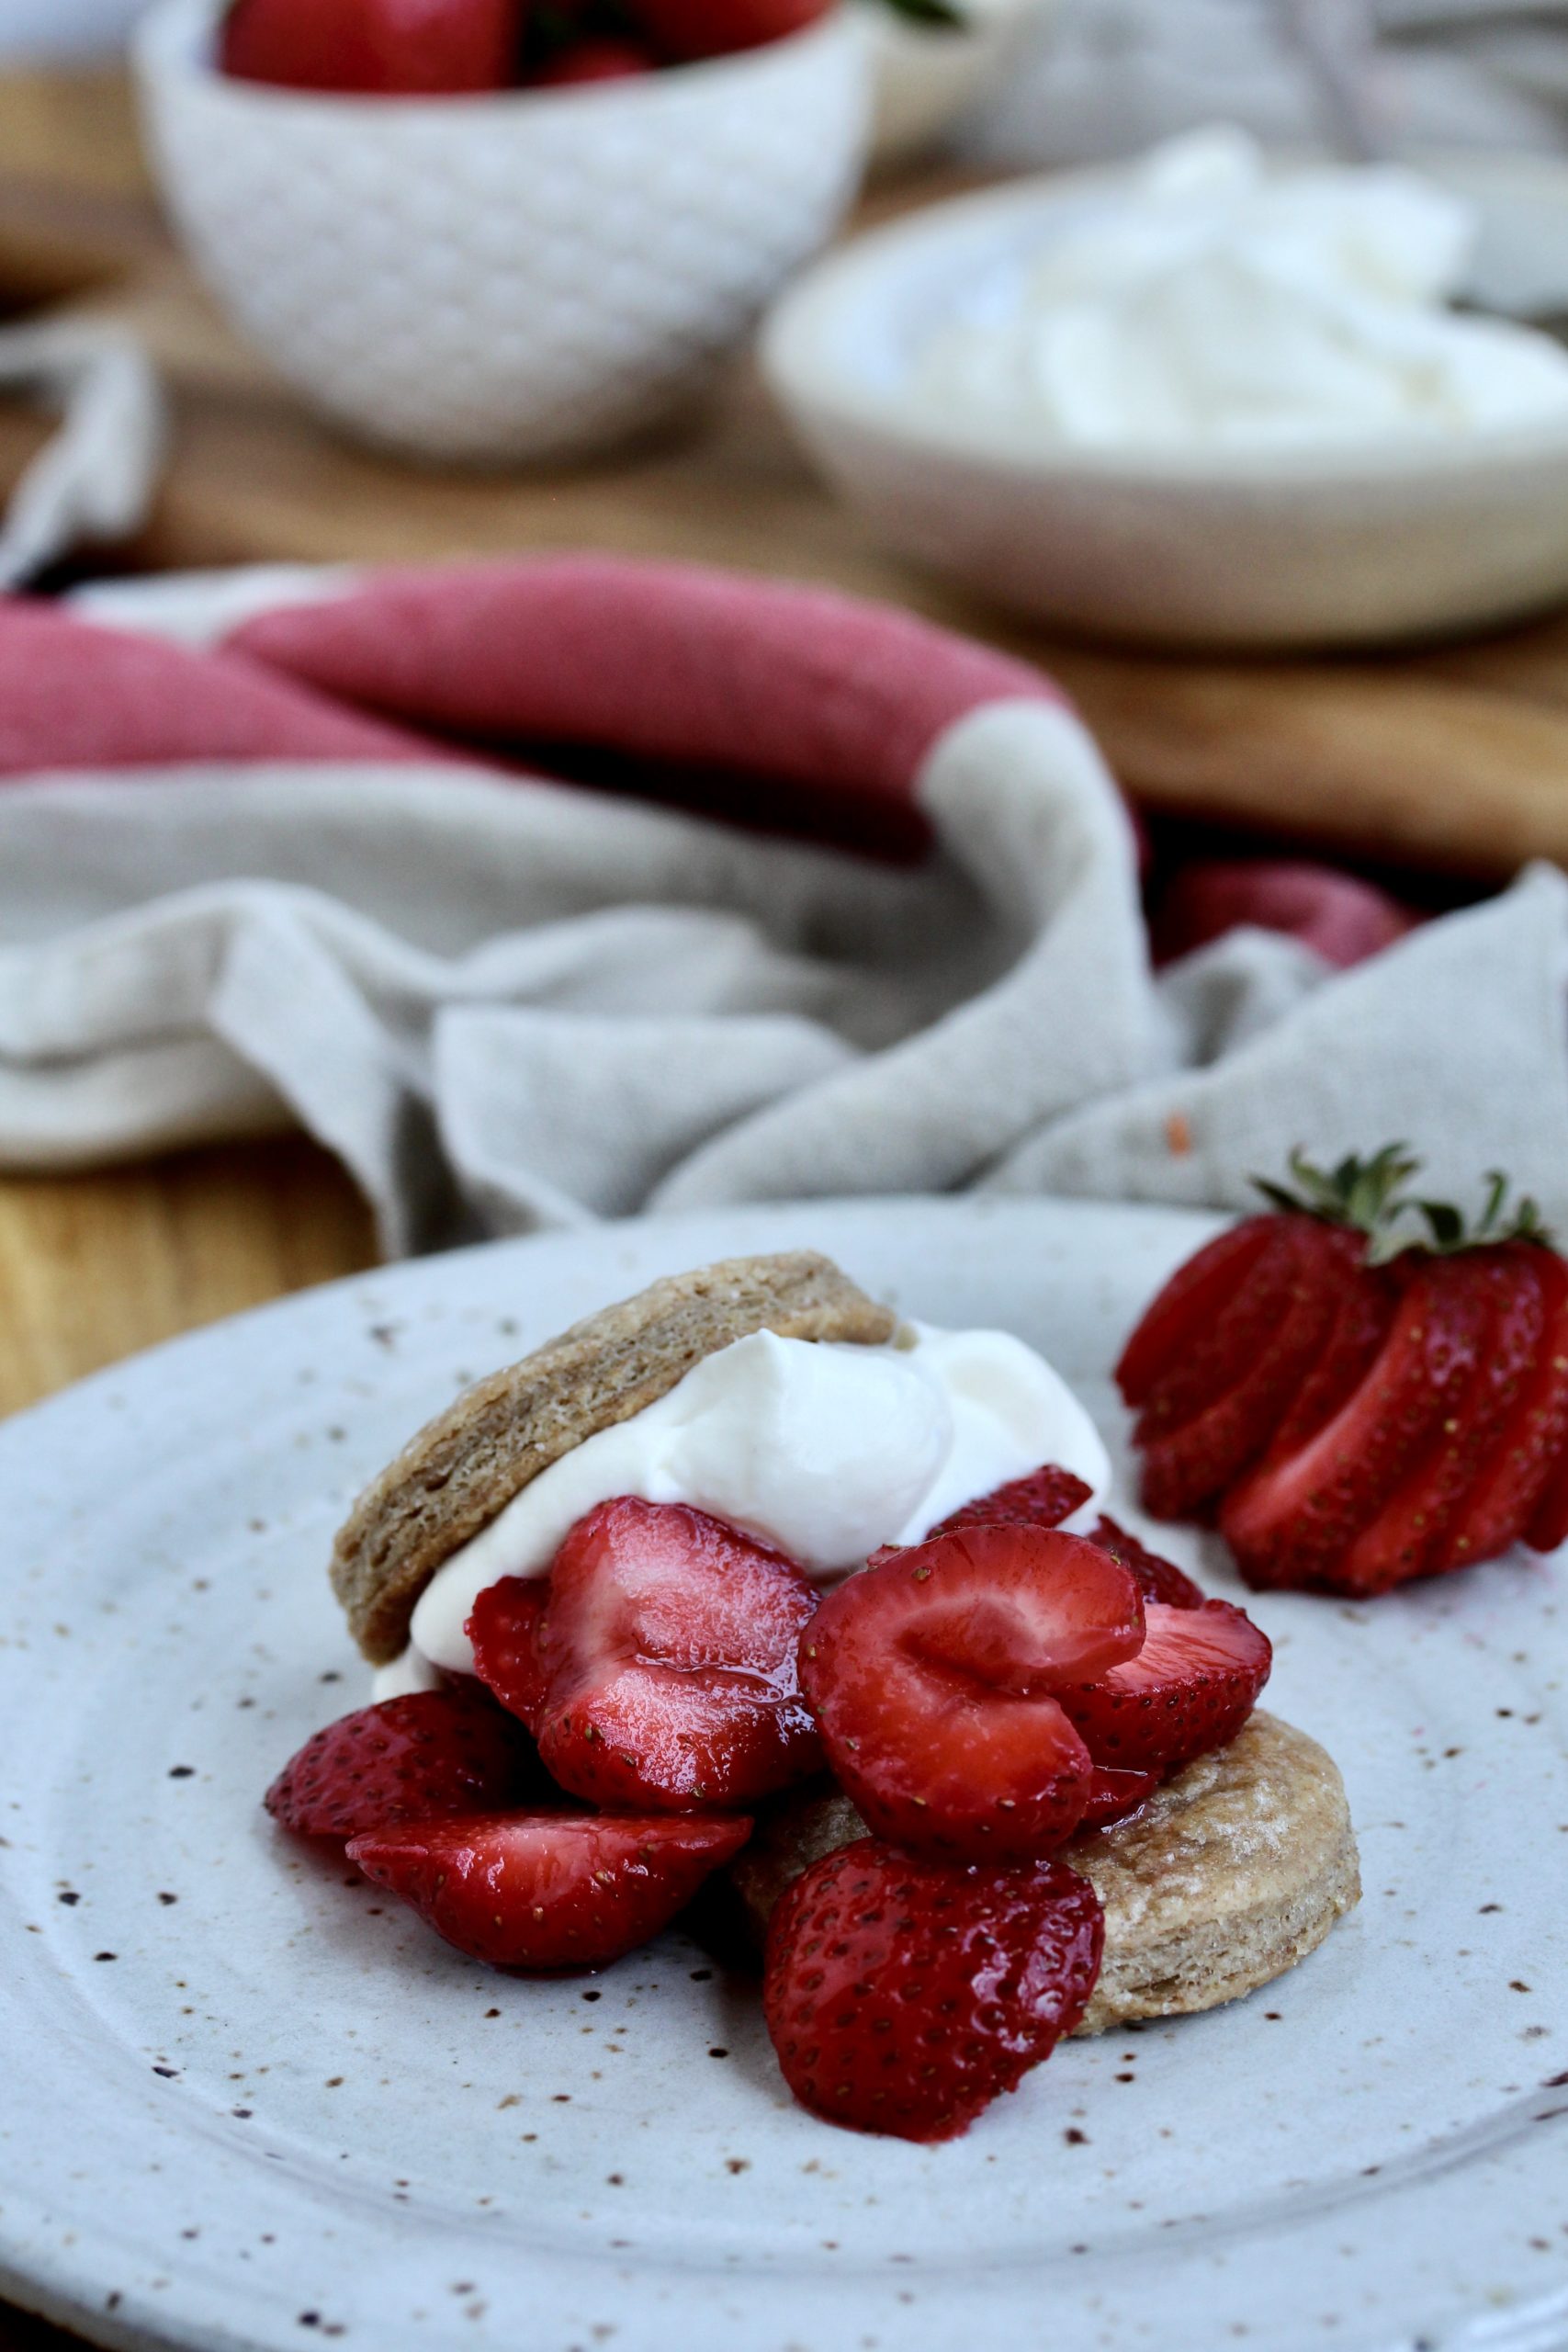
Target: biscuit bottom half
(1233, 1871)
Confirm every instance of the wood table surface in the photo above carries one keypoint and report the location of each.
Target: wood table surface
(1456, 761)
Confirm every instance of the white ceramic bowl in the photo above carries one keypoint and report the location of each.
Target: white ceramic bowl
(1347, 547)
(926, 77)
(519, 277)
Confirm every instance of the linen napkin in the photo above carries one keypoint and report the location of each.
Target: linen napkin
(837, 903)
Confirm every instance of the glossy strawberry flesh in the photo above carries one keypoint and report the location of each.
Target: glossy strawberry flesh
(1185, 1310)
(902, 1996)
(1112, 1795)
(1522, 1491)
(1191, 1687)
(931, 1676)
(549, 1889)
(1044, 1498)
(1405, 1538)
(503, 1630)
(431, 1752)
(1294, 1520)
(1192, 1463)
(667, 1651)
(1156, 1579)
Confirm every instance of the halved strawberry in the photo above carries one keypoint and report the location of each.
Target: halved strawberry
(504, 1630)
(903, 1996)
(1157, 1579)
(1113, 1794)
(549, 1889)
(1045, 1498)
(1190, 1456)
(666, 1656)
(1294, 1520)
(931, 1674)
(442, 1751)
(1191, 1687)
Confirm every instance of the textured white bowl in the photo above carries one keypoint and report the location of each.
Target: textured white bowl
(519, 277)
(1373, 544)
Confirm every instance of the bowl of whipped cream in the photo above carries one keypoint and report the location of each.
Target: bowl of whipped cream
(1210, 399)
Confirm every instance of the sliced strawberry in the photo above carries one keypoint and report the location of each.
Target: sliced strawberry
(1044, 1498)
(1189, 1460)
(549, 1889)
(1156, 1579)
(904, 1995)
(1191, 1687)
(931, 1674)
(504, 1631)
(1523, 1487)
(1294, 1520)
(1362, 1314)
(1407, 1535)
(443, 1751)
(1184, 1311)
(1112, 1795)
(667, 1649)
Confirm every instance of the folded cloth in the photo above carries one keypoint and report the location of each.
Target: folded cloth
(280, 850)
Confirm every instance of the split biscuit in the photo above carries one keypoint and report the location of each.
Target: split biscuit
(1233, 1871)
(465, 1466)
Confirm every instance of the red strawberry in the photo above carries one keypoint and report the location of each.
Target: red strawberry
(1407, 1536)
(597, 59)
(549, 1889)
(431, 1752)
(687, 30)
(1223, 1347)
(667, 1650)
(931, 1674)
(394, 48)
(1185, 1310)
(1526, 1479)
(1112, 1795)
(1292, 1521)
(1044, 1498)
(504, 1631)
(1156, 1579)
(1188, 1461)
(1191, 1687)
(904, 1995)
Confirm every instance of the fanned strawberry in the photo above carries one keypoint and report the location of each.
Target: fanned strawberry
(549, 1889)
(1190, 1463)
(1156, 1579)
(1224, 1349)
(1525, 1484)
(667, 1653)
(1184, 1311)
(1044, 1498)
(1292, 1521)
(930, 1675)
(902, 1996)
(504, 1631)
(1112, 1795)
(1406, 1536)
(1191, 1687)
(429, 1752)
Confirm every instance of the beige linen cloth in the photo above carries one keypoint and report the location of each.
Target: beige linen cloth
(511, 1008)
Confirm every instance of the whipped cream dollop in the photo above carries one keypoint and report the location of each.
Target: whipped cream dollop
(821, 1449)
(1207, 302)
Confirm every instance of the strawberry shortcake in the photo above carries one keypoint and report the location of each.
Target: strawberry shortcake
(747, 1572)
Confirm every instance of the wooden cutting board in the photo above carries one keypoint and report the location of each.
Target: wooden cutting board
(1456, 761)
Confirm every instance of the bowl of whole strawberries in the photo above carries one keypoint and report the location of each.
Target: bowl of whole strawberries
(489, 230)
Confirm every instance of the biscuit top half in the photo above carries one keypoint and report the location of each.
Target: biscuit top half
(466, 1465)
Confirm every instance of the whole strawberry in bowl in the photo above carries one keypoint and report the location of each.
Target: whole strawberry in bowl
(493, 230)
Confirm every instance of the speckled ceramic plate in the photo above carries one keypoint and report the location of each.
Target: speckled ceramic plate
(243, 2103)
